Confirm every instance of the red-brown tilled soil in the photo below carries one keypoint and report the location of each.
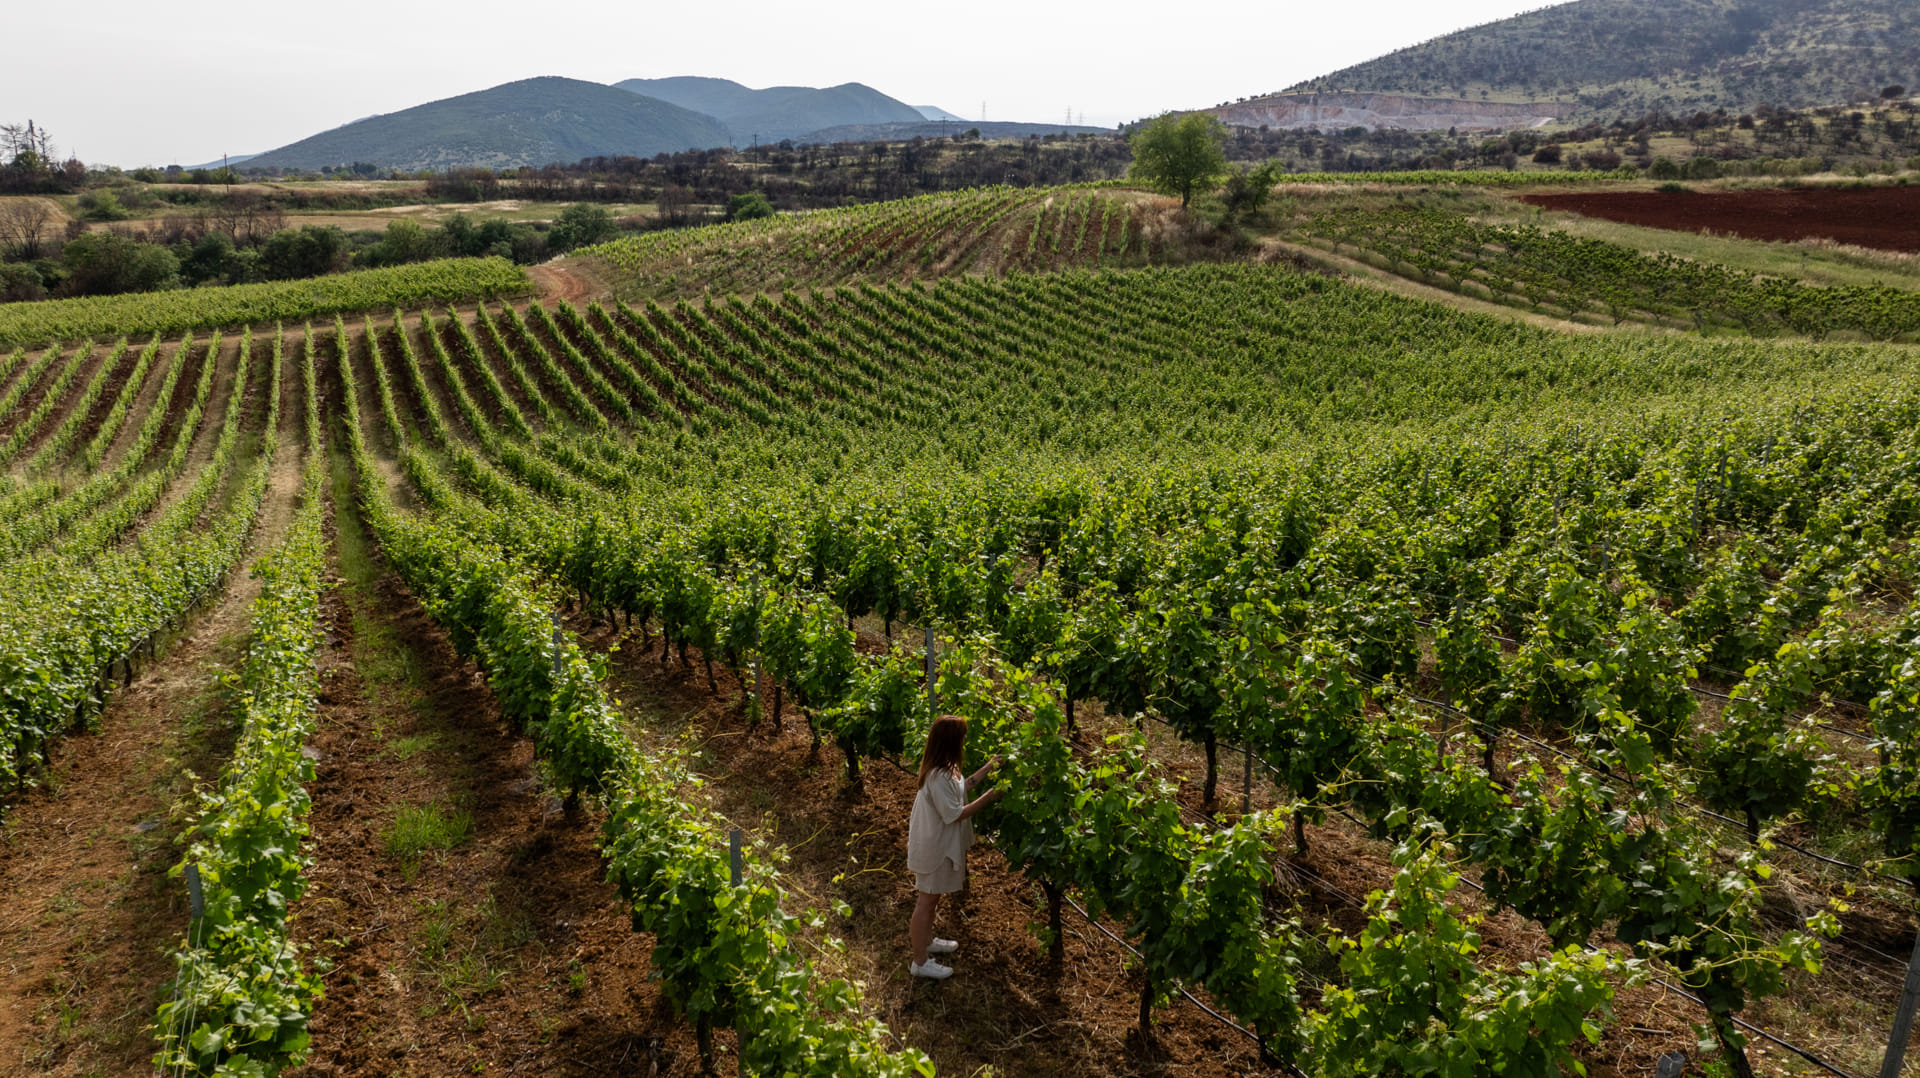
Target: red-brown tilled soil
(1885, 218)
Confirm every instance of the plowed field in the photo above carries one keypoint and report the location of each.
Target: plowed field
(1886, 218)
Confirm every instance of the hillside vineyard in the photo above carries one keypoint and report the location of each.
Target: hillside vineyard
(1577, 620)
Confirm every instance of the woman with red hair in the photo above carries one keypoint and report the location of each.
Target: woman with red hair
(938, 834)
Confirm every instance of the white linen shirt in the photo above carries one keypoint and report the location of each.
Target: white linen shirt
(936, 835)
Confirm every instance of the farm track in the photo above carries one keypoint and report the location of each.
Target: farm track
(508, 952)
(1355, 271)
(558, 282)
(92, 915)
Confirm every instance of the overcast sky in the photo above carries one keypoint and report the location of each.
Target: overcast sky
(133, 82)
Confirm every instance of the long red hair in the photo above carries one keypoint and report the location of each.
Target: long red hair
(946, 742)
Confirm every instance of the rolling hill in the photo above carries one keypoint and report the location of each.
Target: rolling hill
(1608, 58)
(531, 122)
(778, 112)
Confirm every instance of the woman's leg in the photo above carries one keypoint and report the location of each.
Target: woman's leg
(920, 928)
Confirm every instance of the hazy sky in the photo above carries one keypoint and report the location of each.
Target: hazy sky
(132, 82)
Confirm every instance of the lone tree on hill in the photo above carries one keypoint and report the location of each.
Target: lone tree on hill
(1178, 155)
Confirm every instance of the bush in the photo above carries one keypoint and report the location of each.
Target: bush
(210, 260)
(311, 251)
(1548, 154)
(1913, 163)
(101, 263)
(750, 206)
(1703, 168)
(405, 241)
(1665, 169)
(580, 225)
(103, 206)
(20, 281)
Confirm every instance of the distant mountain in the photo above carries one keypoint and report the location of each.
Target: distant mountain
(927, 129)
(934, 112)
(531, 122)
(233, 160)
(778, 112)
(1608, 58)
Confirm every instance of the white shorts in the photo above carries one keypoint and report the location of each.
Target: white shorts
(943, 881)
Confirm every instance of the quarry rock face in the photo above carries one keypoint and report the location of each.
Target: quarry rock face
(1331, 111)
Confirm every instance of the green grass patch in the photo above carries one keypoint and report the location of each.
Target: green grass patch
(417, 829)
(406, 748)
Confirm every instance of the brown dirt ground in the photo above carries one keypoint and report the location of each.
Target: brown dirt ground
(557, 282)
(1883, 218)
(507, 953)
(91, 915)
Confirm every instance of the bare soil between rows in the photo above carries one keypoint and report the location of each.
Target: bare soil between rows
(91, 915)
(1883, 218)
(507, 953)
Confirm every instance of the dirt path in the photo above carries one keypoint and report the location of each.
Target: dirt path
(505, 952)
(90, 915)
(1360, 272)
(557, 282)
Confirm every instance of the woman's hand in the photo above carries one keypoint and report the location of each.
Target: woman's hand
(991, 764)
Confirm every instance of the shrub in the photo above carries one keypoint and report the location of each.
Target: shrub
(20, 281)
(101, 263)
(749, 207)
(103, 206)
(580, 225)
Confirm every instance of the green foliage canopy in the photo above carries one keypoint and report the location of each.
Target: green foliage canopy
(581, 225)
(749, 206)
(1180, 154)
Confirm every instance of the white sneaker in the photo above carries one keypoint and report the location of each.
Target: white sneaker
(940, 946)
(931, 970)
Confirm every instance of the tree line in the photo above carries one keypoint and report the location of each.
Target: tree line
(243, 249)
